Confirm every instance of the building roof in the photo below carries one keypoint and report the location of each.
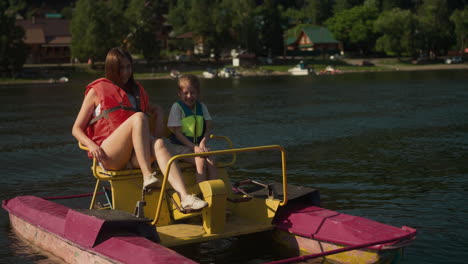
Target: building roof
(34, 35)
(316, 34)
(185, 35)
(291, 40)
(51, 31)
(319, 35)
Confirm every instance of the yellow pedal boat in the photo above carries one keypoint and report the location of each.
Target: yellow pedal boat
(137, 226)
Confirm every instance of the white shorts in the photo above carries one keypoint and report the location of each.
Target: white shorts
(177, 149)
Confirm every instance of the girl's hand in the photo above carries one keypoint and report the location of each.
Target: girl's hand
(198, 149)
(203, 146)
(206, 148)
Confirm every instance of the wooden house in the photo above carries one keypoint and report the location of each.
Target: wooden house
(47, 39)
(311, 40)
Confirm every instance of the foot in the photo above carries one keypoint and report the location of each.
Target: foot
(150, 180)
(193, 203)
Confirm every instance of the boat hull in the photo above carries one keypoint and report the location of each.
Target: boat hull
(53, 244)
(340, 238)
(76, 237)
(300, 246)
(299, 72)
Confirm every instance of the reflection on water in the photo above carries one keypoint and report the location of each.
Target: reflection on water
(391, 147)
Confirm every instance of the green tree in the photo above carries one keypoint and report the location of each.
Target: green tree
(178, 16)
(96, 27)
(355, 27)
(396, 27)
(310, 12)
(244, 28)
(208, 21)
(385, 5)
(434, 31)
(460, 20)
(345, 4)
(202, 23)
(12, 48)
(340, 5)
(144, 20)
(270, 33)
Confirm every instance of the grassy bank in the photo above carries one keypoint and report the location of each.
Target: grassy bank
(50, 73)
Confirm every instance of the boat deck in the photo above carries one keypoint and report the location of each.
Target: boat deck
(189, 233)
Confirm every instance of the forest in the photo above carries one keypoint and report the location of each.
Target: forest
(394, 28)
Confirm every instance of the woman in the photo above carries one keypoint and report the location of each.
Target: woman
(113, 124)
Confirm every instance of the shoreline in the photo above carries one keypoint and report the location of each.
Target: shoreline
(247, 73)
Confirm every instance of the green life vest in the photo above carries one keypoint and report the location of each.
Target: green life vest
(193, 123)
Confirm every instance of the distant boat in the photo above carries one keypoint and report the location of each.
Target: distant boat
(175, 74)
(228, 73)
(329, 70)
(63, 79)
(299, 70)
(209, 73)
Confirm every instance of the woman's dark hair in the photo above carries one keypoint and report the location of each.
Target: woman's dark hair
(112, 68)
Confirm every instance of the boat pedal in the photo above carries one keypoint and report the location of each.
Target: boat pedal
(150, 189)
(140, 209)
(108, 195)
(239, 200)
(188, 211)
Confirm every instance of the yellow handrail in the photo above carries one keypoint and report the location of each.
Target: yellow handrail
(83, 147)
(220, 152)
(93, 168)
(234, 155)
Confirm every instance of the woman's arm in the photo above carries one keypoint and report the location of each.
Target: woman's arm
(157, 114)
(78, 131)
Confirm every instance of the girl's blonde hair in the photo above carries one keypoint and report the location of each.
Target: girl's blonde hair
(189, 79)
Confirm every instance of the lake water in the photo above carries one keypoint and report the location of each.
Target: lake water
(392, 147)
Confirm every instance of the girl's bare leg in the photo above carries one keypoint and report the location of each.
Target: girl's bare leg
(162, 155)
(134, 135)
(200, 164)
(212, 169)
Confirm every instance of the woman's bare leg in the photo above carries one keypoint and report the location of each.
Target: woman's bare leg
(133, 134)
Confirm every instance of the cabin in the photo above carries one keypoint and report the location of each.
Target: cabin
(47, 39)
(311, 40)
(199, 47)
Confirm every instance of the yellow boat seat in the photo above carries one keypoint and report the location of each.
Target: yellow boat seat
(127, 182)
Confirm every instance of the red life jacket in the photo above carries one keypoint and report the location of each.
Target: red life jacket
(115, 108)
